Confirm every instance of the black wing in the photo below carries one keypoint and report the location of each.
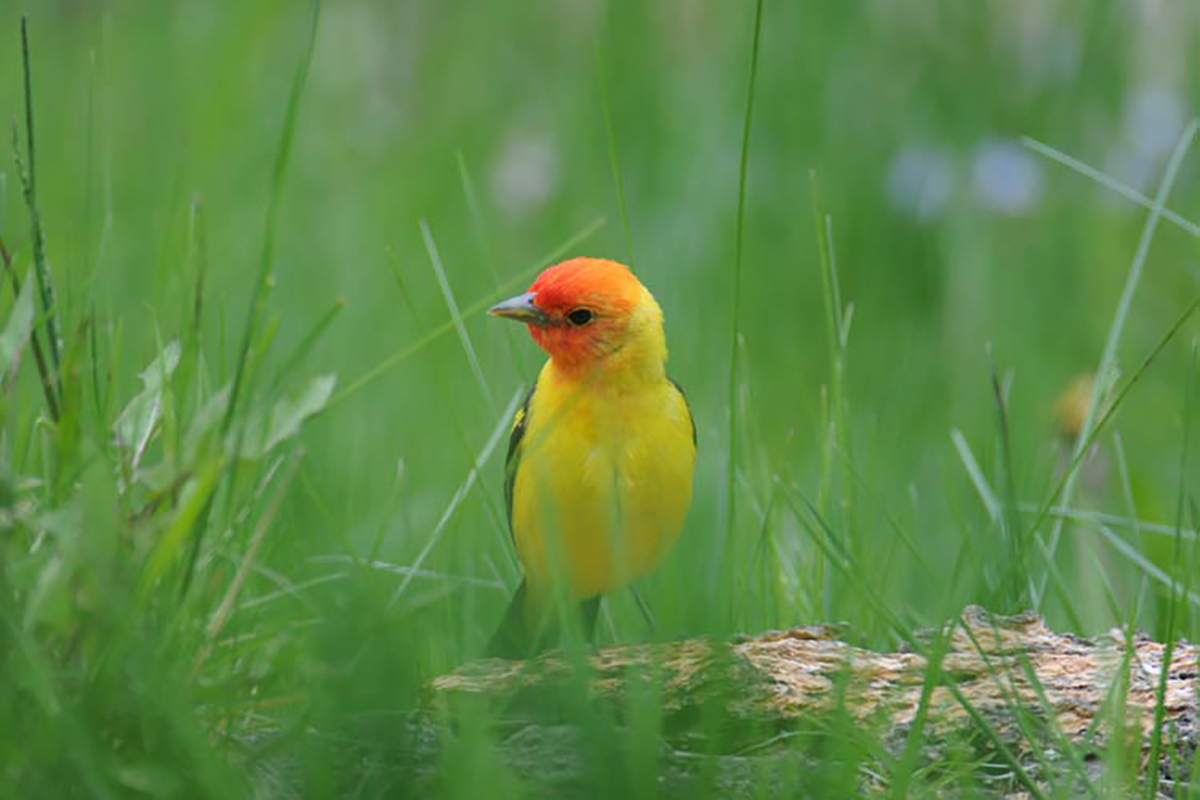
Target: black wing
(686, 405)
(513, 459)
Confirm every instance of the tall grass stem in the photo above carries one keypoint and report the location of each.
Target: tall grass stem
(267, 256)
(736, 301)
(37, 234)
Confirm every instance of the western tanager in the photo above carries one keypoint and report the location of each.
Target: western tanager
(598, 477)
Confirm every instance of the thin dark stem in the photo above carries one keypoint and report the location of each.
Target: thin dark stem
(41, 269)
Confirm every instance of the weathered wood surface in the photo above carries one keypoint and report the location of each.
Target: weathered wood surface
(1013, 672)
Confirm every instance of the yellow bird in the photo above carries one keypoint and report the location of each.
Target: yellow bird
(598, 478)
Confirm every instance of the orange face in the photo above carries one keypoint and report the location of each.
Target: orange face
(577, 311)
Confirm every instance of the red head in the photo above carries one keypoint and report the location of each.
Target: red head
(585, 309)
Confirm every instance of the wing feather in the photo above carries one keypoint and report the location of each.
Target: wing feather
(512, 461)
(686, 405)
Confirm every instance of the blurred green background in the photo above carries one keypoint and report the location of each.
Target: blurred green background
(487, 122)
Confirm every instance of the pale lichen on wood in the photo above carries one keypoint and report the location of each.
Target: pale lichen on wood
(1011, 671)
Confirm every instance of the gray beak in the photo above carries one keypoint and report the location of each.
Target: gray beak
(520, 308)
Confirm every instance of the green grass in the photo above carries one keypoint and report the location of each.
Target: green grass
(251, 411)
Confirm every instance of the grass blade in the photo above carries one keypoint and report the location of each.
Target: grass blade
(16, 331)
(994, 510)
(34, 341)
(990, 503)
(190, 513)
(1147, 566)
(455, 316)
(1108, 181)
(835, 424)
(502, 427)
(1176, 589)
(1109, 356)
(610, 133)
(258, 292)
(397, 569)
(479, 231)
(306, 344)
(739, 233)
(1135, 524)
(1110, 410)
(1010, 517)
(853, 574)
(404, 353)
(267, 256)
(29, 179)
(226, 608)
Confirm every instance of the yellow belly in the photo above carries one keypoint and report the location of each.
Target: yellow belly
(603, 485)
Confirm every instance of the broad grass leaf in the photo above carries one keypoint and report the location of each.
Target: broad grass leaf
(50, 601)
(17, 329)
(136, 424)
(206, 422)
(284, 419)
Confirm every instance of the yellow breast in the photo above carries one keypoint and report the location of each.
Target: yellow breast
(603, 484)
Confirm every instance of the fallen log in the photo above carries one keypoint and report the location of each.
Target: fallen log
(1046, 702)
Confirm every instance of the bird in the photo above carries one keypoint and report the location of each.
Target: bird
(598, 476)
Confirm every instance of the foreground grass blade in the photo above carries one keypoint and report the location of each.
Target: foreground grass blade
(173, 539)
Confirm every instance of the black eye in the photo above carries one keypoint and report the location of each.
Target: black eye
(580, 316)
